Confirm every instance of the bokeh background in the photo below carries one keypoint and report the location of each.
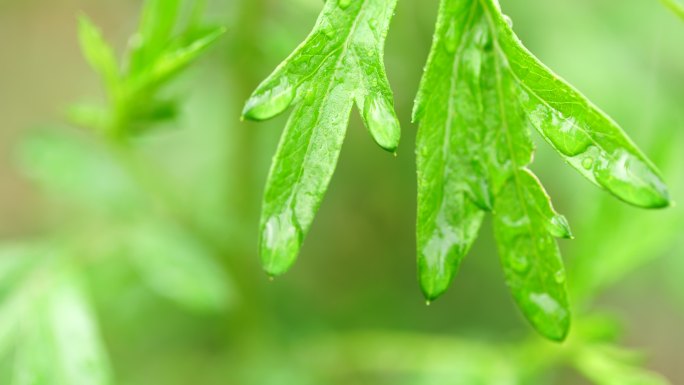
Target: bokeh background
(350, 312)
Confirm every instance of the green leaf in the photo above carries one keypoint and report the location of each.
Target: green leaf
(608, 365)
(73, 168)
(339, 64)
(60, 339)
(17, 261)
(177, 267)
(177, 57)
(481, 94)
(154, 33)
(99, 54)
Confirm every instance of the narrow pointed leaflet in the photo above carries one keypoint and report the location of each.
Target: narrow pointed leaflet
(338, 65)
(481, 94)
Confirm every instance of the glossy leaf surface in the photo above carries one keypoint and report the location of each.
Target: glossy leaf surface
(339, 65)
(481, 94)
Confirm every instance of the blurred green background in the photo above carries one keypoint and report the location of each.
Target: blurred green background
(350, 312)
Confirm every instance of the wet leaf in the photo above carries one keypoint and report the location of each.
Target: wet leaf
(98, 52)
(339, 64)
(481, 94)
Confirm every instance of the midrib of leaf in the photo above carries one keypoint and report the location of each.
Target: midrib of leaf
(452, 92)
(499, 64)
(517, 168)
(506, 125)
(450, 119)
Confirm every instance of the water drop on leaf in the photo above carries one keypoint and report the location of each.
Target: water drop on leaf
(381, 122)
(344, 3)
(269, 103)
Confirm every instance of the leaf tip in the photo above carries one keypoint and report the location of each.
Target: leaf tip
(267, 103)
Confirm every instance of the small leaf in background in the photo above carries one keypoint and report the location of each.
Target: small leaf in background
(177, 267)
(156, 27)
(88, 115)
(339, 64)
(71, 167)
(98, 53)
(481, 93)
(60, 341)
(182, 53)
(17, 261)
(608, 365)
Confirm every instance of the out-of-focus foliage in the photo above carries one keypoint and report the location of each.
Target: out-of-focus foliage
(108, 194)
(191, 187)
(676, 7)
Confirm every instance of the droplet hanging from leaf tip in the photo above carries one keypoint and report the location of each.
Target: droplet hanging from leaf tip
(379, 116)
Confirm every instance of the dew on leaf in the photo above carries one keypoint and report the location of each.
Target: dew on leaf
(344, 4)
(271, 102)
(381, 122)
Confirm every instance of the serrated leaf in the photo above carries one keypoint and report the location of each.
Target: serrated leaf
(98, 52)
(481, 94)
(339, 64)
(178, 267)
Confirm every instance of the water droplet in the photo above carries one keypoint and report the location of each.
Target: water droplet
(328, 30)
(270, 102)
(382, 123)
(560, 228)
(344, 3)
(279, 243)
(520, 264)
(632, 180)
(428, 303)
(559, 277)
(587, 163)
(564, 133)
(508, 20)
(481, 37)
(547, 304)
(451, 38)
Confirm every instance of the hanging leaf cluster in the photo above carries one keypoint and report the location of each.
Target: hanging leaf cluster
(481, 96)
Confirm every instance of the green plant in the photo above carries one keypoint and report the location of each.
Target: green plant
(481, 92)
(338, 65)
(120, 208)
(139, 268)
